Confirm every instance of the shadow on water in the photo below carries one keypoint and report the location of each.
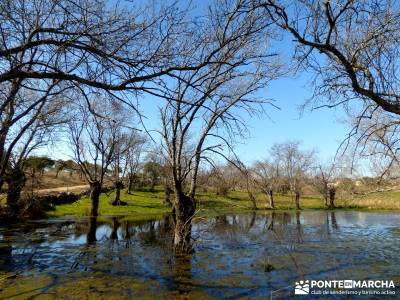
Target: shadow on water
(235, 255)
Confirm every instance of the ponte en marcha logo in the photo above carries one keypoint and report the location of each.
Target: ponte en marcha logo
(345, 287)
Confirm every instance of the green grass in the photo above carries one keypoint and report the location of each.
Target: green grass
(139, 203)
(147, 205)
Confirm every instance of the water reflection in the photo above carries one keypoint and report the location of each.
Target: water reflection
(245, 255)
(91, 235)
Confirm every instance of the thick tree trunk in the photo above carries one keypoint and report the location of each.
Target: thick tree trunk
(117, 188)
(130, 184)
(184, 209)
(271, 199)
(167, 195)
(332, 193)
(95, 189)
(16, 182)
(297, 200)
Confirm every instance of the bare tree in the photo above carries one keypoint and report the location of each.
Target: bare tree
(352, 48)
(359, 41)
(28, 121)
(295, 165)
(93, 43)
(123, 157)
(47, 47)
(267, 176)
(324, 182)
(95, 136)
(202, 112)
(133, 158)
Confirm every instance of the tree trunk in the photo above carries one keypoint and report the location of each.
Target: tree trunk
(332, 192)
(184, 210)
(167, 195)
(325, 195)
(297, 200)
(16, 182)
(250, 194)
(130, 183)
(117, 187)
(271, 199)
(95, 189)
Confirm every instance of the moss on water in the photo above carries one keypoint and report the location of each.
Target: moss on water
(89, 286)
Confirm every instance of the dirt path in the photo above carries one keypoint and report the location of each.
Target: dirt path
(66, 189)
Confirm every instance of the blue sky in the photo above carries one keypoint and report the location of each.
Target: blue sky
(319, 129)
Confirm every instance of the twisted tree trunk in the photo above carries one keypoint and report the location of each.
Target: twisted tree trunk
(183, 211)
(167, 195)
(16, 182)
(117, 187)
(95, 189)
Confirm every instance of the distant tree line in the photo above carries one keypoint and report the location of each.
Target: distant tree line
(75, 73)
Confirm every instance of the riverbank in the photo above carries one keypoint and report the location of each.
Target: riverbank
(145, 204)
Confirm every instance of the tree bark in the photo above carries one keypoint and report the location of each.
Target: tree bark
(117, 187)
(16, 182)
(271, 199)
(95, 189)
(184, 210)
(332, 192)
(167, 195)
(325, 195)
(130, 183)
(297, 200)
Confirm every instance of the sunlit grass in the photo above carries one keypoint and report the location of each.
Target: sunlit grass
(139, 202)
(147, 204)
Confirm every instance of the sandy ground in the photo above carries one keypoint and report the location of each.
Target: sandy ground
(66, 189)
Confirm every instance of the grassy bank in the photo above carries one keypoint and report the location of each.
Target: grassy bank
(145, 204)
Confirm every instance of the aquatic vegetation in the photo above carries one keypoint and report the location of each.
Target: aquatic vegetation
(235, 255)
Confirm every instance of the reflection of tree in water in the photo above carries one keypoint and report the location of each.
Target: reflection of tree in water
(6, 249)
(20, 245)
(114, 231)
(231, 226)
(91, 233)
(182, 274)
(279, 225)
(331, 223)
(299, 233)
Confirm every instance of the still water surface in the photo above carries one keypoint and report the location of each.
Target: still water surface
(235, 256)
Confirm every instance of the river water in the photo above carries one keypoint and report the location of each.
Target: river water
(234, 256)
